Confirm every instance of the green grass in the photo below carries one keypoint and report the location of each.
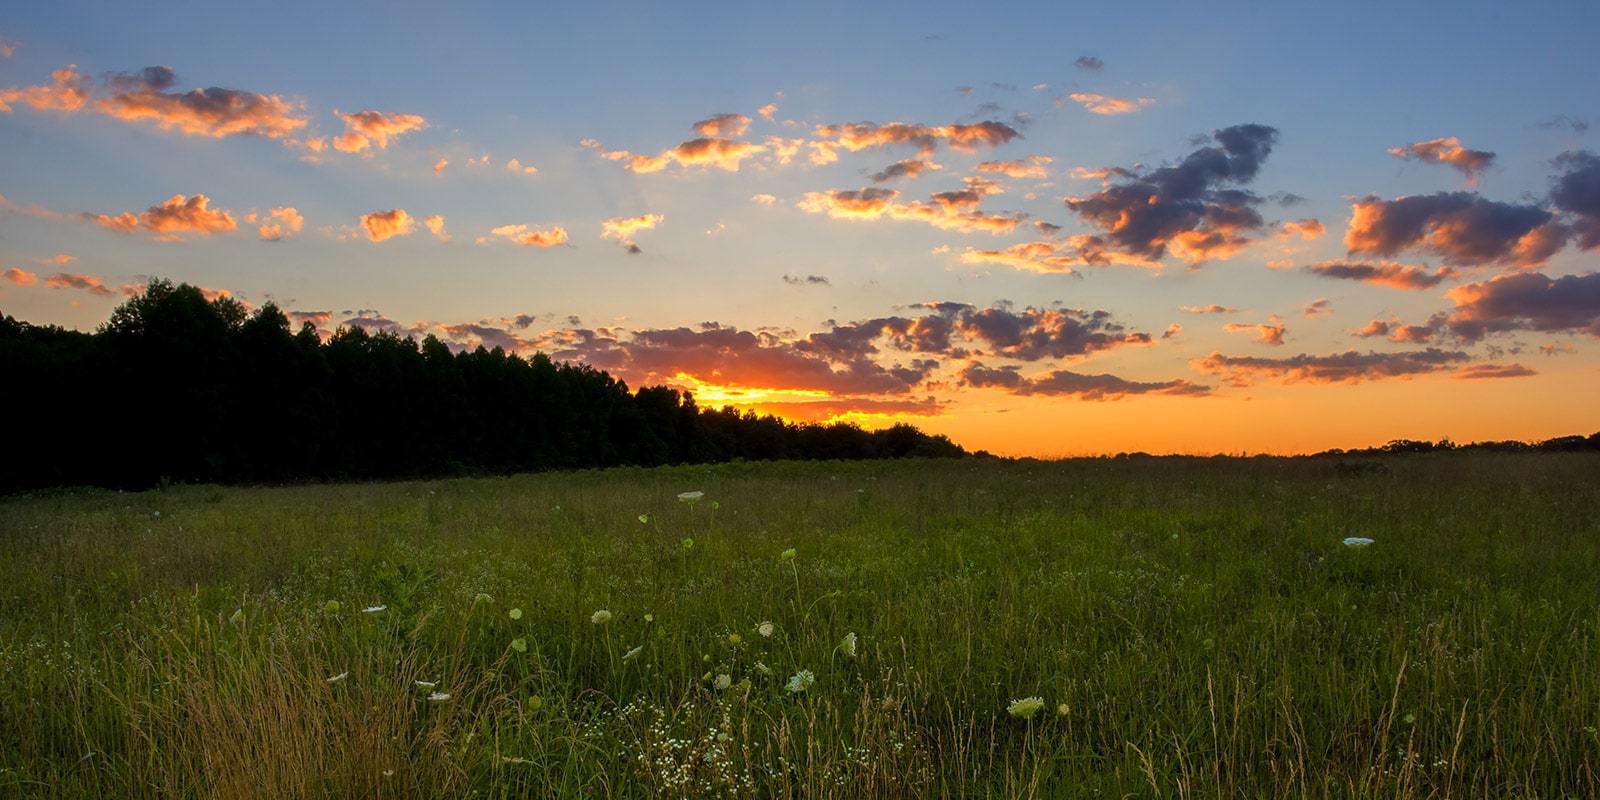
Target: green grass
(1193, 627)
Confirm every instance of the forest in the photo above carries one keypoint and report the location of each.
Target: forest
(178, 388)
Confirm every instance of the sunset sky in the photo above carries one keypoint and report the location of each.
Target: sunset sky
(1040, 229)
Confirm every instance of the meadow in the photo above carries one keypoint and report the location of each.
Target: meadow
(1094, 628)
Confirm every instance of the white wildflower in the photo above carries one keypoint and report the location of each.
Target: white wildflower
(1357, 541)
(341, 676)
(426, 684)
(1026, 707)
(766, 629)
(724, 680)
(600, 617)
(848, 644)
(800, 681)
(373, 609)
(628, 656)
(690, 497)
(439, 696)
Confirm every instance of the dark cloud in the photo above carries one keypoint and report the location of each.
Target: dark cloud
(809, 280)
(909, 168)
(1462, 228)
(1347, 367)
(1286, 199)
(1188, 208)
(1065, 383)
(1577, 126)
(1385, 273)
(1090, 63)
(1577, 192)
(149, 79)
(1526, 301)
(1470, 163)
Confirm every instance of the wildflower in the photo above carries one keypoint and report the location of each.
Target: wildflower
(1410, 718)
(848, 644)
(535, 703)
(373, 609)
(519, 644)
(800, 681)
(763, 668)
(238, 617)
(482, 598)
(632, 653)
(688, 544)
(766, 629)
(645, 518)
(331, 606)
(1026, 707)
(724, 680)
(426, 684)
(690, 497)
(734, 639)
(600, 617)
(788, 555)
(649, 618)
(515, 613)
(341, 676)
(439, 697)
(1062, 710)
(388, 773)
(1356, 541)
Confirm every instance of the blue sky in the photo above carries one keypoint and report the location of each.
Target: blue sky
(984, 288)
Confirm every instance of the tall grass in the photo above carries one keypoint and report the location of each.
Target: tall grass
(1194, 628)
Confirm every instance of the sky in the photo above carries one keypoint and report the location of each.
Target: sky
(1037, 228)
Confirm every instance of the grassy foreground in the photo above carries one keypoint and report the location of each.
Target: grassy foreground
(1092, 628)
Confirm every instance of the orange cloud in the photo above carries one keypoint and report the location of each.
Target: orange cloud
(1211, 309)
(1100, 104)
(1484, 371)
(712, 152)
(966, 138)
(1347, 367)
(213, 112)
(530, 238)
(365, 129)
(278, 224)
(1031, 256)
(381, 225)
(438, 167)
(1470, 163)
(69, 92)
(186, 215)
(722, 125)
(1031, 167)
(435, 226)
(623, 228)
(1307, 229)
(764, 199)
(121, 223)
(1319, 307)
(516, 166)
(20, 277)
(948, 211)
(1383, 273)
(1267, 332)
(767, 111)
(1461, 228)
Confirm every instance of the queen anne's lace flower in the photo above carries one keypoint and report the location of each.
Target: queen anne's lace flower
(600, 617)
(1026, 707)
(800, 681)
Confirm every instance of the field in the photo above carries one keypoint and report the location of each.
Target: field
(1088, 628)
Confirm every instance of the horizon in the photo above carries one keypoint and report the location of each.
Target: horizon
(1050, 234)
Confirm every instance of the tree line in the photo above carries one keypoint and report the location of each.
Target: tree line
(178, 388)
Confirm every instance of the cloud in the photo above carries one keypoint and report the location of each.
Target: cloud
(178, 215)
(1557, 349)
(1188, 208)
(1110, 106)
(1028, 256)
(1031, 167)
(435, 226)
(215, 112)
(1308, 229)
(767, 111)
(1318, 307)
(438, 166)
(516, 166)
(858, 136)
(381, 225)
(723, 125)
(909, 168)
(87, 283)
(1577, 126)
(1383, 273)
(1064, 383)
(366, 129)
(1266, 332)
(1210, 309)
(1577, 192)
(623, 228)
(1470, 163)
(1347, 367)
(1483, 371)
(520, 234)
(69, 91)
(809, 280)
(20, 277)
(1526, 301)
(955, 210)
(278, 224)
(1461, 228)
(764, 199)
(709, 152)
(121, 223)
(1089, 63)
